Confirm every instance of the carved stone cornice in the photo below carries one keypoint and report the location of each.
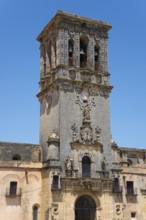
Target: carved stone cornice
(83, 147)
(79, 86)
(49, 88)
(64, 19)
(105, 90)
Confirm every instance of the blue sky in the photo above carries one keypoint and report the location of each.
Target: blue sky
(21, 22)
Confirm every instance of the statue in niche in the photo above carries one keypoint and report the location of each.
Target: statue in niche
(105, 164)
(75, 132)
(69, 163)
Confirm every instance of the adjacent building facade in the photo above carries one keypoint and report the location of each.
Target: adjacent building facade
(77, 172)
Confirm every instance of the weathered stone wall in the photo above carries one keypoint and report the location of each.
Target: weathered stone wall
(19, 151)
(28, 178)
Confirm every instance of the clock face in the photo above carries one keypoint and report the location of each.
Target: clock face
(85, 96)
(71, 32)
(97, 38)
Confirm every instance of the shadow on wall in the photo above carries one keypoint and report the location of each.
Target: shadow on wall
(13, 201)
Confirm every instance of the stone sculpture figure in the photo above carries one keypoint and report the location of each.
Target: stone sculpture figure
(69, 163)
(86, 112)
(105, 165)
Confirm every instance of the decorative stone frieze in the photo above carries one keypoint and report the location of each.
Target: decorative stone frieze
(87, 184)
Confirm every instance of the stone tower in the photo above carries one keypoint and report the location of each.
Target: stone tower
(74, 93)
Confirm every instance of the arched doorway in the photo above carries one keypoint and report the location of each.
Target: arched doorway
(85, 208)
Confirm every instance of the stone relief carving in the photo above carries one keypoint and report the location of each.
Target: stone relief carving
(65, 86)
(105, 91)
(87, 184)
(75, 132)
(97, 38)
(86, 134)
(118, 210)
(97, 132)
(54, 210)
(93, 91)
(90, 155)
(72, 74)
(71, 32)
(85, 100)
(85, 76)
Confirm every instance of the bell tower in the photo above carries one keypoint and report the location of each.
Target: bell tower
(74, 94)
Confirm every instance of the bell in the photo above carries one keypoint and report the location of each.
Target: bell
(70, 49)
(95, 53)
(82, 52)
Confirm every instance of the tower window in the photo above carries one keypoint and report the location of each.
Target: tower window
(96, 57)
(86, 167)
(70, 52)
(83, 51)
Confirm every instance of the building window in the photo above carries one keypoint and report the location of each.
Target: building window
(86, 167)
(130, 189)
(35, 213)
(55, 183)
(13, 188)
(133, 215)
(116, 187)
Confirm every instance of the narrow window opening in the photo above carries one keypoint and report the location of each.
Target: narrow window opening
(83, 51)
(70, 52)
(13, 188)
(130, 189)
(55, 184)
(96, 57)
(116, 185)
(35, 213)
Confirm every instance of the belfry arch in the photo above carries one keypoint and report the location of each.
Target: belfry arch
(85, 208)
